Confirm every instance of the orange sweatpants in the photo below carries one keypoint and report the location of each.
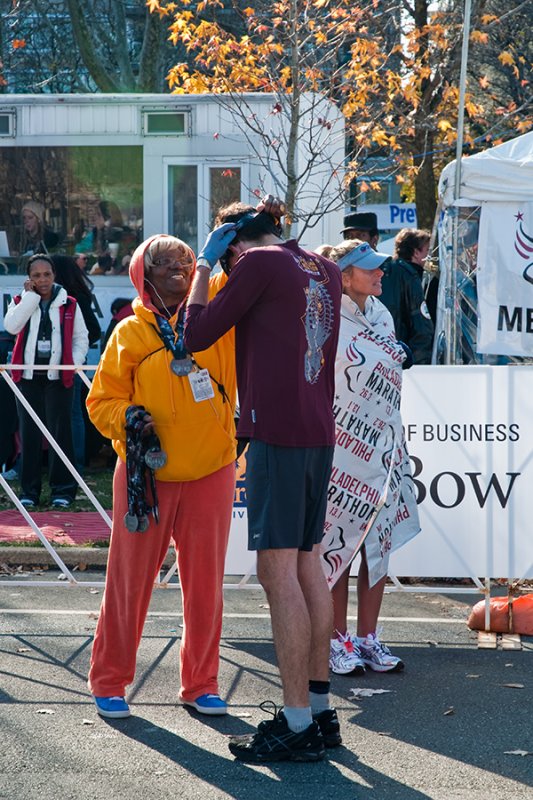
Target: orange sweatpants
(197, 516)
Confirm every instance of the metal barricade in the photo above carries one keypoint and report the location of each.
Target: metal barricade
(70, 578)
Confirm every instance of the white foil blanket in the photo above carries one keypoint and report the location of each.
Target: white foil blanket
(370, 499)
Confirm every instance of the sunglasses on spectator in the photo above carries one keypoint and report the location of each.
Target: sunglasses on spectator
(169, 261)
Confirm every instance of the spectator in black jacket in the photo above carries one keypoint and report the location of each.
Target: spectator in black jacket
(362, 226)
(120, 309)
(404, 296)
(78, 285)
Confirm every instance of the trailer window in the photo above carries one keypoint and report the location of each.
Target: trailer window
(71, 199)
(196, 192)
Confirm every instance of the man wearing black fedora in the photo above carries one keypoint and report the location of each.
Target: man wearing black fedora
(363, 226)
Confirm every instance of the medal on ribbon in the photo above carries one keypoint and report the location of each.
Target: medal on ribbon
(181, 366)
(174, 341)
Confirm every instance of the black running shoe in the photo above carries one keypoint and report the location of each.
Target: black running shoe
(328, 722)
(274, 741)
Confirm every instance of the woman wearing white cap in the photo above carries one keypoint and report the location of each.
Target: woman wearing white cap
(36, 236)
(371, 499)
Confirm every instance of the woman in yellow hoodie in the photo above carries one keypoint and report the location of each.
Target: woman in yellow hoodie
(147, 380)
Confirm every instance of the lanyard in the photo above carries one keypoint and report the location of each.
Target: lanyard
(173, 339)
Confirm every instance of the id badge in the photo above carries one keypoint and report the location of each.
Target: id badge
(44, 347)
(202, 388)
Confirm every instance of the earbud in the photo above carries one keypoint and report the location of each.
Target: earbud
(158, 296)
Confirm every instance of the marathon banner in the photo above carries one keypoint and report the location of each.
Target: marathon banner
(371, 495)
(505, 279)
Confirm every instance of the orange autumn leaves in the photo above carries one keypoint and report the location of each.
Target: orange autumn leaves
(390, 87)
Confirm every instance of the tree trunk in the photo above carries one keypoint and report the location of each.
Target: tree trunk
(294, 110)
(151, 67)
(82, 35)
(424, 141)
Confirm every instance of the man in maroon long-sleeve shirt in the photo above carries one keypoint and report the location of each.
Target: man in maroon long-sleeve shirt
(284, 303)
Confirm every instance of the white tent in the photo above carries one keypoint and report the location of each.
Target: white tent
(504, 172)
(478, 256)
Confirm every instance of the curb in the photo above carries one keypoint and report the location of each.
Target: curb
(71, 556)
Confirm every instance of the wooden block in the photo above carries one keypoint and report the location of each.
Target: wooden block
(511, 641)
(486, 640)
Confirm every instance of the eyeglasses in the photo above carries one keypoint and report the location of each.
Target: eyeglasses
(169, 261)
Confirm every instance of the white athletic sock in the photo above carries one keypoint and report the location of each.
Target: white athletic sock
(298, 719)
(319, 702)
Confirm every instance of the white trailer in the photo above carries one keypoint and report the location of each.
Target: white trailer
(163, 163)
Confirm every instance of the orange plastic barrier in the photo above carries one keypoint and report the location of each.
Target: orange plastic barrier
(520, 621)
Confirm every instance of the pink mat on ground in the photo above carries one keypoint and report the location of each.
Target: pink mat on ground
(63, 527)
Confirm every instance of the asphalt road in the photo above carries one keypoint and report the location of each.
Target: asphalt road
(441, 731)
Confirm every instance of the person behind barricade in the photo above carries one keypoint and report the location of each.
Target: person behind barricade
(284, 303)
(50, 331)
(79, 286)
(170, 415)
(82, 260)
(121, 307)
(371, 500)
(403, 294)
(362, 226)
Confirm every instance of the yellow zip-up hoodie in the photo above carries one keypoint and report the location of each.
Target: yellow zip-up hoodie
(198, 437)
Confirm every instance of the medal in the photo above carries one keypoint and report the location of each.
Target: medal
(136, 524)
(181, 366)
(131, 523)
(155, 458)
(142, 524)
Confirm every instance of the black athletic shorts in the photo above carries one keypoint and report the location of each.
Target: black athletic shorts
(286, 495)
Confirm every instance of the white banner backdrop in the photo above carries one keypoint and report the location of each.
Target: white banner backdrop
(505, 279)
(469, 432)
